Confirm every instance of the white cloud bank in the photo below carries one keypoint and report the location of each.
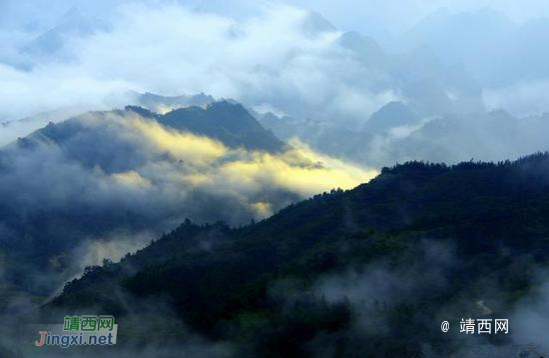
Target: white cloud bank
(274, 57)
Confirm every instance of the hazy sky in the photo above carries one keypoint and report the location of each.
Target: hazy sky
(267, 58)
(394, 15)
(376, 15)
(257, 52)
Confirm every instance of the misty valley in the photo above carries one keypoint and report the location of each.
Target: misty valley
(277, 179)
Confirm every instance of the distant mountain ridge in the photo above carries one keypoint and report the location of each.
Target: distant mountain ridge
(393, 114)
(227, 122)
(230, 123)
(157, 103)
(104, 174)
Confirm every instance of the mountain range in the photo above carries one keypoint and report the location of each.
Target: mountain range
(287, 188)
(107, 182)
(372, 270)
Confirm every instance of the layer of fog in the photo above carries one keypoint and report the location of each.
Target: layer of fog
(148, 329)
(283, 56)
(105, 183)
(283, 59)
(373, 291)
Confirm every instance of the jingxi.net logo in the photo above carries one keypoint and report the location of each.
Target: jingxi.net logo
(80, 331)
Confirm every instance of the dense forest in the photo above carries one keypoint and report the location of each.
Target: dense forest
(366, 272)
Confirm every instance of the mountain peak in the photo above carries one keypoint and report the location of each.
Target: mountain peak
(314, 24)
(226, 121)
(393, 114)
(143, 112)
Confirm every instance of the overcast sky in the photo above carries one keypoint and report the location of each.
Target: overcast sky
(366, 15)
(256, 52)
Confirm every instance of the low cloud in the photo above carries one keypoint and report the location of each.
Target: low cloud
(275, 57)
(108, 182)
(520, 99)
(200, 163)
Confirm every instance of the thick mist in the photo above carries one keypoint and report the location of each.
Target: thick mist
(103, 184)
(340, 90)
(454, 65)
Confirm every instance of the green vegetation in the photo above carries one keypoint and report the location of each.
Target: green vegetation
(448, 235)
